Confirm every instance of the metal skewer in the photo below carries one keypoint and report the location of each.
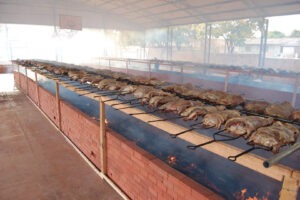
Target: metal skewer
(275, 159)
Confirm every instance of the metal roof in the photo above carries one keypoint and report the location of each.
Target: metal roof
(142, 14)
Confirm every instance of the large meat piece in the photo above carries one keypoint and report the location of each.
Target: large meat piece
(106, 82)
(194, 112)
(216, 119)
(76, 74)
(245, 125)
(282, 110)
(91, 79)
(231, 100)
(141, 91)
(116, 85)
(179, 106)
(256, 106)
(275, 136)
(213, 96)
(160, 100)
(128, 88)
(295, 116)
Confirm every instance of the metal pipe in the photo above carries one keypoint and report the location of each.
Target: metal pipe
(275, 159)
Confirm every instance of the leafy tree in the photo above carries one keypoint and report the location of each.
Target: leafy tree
(295, 33)
(234, 32)
(156, 38)
(131, 38)
(275, 34)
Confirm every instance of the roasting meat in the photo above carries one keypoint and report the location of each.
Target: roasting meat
(216, 119)
(155, 92)
(245, 125)
(194, 112)
(295, 115)
(282, 110)
(128, 88)
(256, 106)
(231, 100)
(106, 82)
(116, 85)
(160, 100)
(141, 91)
(91, 79)
(179, 106)
(275, 136)
(213, 96)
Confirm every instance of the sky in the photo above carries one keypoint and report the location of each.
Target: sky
(284, 24)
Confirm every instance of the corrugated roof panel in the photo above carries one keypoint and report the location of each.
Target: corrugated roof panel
(223, 7)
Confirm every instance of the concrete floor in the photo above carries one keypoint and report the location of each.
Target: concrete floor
(36, 162)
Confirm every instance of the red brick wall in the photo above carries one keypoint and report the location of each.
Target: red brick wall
(16, 77)
(22, 82)
(83, 131)
(142, 176)
(48, 104)
(32, 92)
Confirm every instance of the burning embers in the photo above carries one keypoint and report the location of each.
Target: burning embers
(172, 160)
(243, 195)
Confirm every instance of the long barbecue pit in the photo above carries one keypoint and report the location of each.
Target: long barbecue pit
(197, 131)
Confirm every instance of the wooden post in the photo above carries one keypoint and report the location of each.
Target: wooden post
(289, 189)
(226, 81)
(296, 85)
(37, 88)
(102, 137)
(27, 92)
(58, 104)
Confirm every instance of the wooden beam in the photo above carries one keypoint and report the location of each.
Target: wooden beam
(289, 189)
(103, 146)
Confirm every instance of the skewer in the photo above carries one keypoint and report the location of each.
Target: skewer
(276, 118)
(166, 119)
(234, 158)
(275, 159)
(127, 101)
(227, 138)
(90, 92)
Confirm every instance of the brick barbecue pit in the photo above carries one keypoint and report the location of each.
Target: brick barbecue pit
(140, 157)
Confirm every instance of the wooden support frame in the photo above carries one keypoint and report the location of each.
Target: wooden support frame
(290, 187)
(103, 143)
(58, 110)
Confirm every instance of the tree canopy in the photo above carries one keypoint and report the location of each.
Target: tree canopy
(235, 32)
(276, 34)
(295, 33)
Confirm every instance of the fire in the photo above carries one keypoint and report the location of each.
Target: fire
(106, 122)
(243, 196)
(172, 160)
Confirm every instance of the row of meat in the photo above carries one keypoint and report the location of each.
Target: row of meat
(257, 130)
